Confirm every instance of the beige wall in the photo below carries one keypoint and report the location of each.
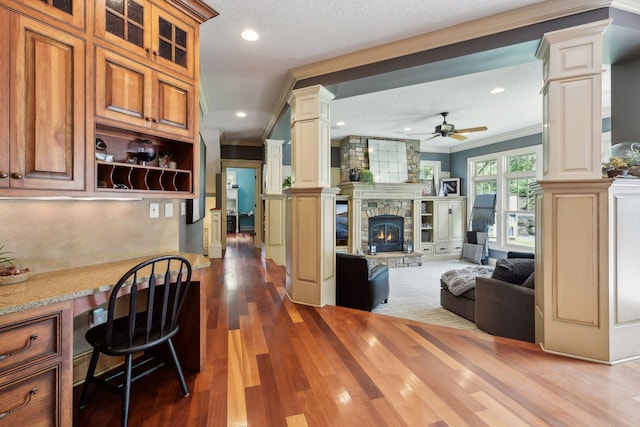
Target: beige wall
(52, 235)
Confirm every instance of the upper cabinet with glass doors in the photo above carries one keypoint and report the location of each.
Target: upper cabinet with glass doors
(152, 32)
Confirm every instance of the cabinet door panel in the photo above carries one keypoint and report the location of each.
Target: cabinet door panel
(457, 225)
(121, 87)
(173, 42)
(118, 21)
(4, 100)
(173, 106)
(442, 221)
(47, 139)
(69, 11)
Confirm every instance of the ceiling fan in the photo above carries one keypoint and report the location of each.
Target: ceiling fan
(449, 130)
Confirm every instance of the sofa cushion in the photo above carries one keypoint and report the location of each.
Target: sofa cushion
(513, 270)
(529, 283)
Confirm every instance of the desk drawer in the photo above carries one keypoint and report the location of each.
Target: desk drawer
(31, 400)
(30, 341)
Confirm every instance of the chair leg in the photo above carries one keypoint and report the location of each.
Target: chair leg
(178, 369)
(92, 369)
(126, 389)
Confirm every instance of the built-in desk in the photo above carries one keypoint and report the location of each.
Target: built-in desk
(43, 307)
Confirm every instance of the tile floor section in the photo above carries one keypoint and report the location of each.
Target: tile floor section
(414, 293)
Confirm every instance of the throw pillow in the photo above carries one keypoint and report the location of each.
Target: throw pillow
(513, 270)
(529, 283)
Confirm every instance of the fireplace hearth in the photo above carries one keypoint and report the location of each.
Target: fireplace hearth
(386, 232)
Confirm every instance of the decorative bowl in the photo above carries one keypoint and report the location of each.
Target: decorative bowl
(14, 278)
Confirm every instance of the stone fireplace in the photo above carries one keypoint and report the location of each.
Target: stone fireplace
(371, 203)
(367, 202)
(386, 232)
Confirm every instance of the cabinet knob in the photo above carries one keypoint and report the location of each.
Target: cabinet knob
(148, 119)
(17, 175)
(3, 175)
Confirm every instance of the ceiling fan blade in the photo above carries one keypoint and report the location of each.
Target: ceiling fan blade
(434, 136)
(478, 129)
(420, 133)
(458, 137)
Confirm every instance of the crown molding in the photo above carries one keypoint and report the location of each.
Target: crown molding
(285, 94)
(627, 5)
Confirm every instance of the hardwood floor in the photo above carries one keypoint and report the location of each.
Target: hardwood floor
(275, 363)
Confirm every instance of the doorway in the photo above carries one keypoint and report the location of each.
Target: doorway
(241, 205)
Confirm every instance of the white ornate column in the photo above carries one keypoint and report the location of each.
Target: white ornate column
(577, 311)
(274, 244)
(572, 97)
(311, 224)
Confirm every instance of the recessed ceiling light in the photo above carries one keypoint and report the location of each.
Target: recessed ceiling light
(496, 90)
(340, 124)
(249, 35)
(407, 129)
(241, 114)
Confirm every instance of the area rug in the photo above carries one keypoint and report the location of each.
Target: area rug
(414, 293)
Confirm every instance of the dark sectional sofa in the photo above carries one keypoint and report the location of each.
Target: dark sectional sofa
(502, 304)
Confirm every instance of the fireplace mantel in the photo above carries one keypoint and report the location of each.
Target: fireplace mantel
(403, 191)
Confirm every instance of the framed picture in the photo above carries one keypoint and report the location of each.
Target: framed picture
(427, 189)
(450, 186)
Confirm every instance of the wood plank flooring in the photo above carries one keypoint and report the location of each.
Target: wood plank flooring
(275, 363)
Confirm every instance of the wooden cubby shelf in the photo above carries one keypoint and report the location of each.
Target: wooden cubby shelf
(125, 176)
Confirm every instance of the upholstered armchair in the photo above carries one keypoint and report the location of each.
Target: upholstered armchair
(358, 285)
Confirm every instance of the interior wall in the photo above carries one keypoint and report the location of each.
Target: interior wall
(245, 178)
(49, 235)
(625, 93)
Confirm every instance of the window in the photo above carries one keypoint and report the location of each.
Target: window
(510, 175)
(231, 178)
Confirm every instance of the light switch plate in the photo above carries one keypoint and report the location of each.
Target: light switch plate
(183, 208)
(168, 210)
(154, 210)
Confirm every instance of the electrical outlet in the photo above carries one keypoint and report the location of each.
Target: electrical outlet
(168, 210)
(97, 317)
(154, 210)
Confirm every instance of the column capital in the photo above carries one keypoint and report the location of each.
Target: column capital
(310, 103)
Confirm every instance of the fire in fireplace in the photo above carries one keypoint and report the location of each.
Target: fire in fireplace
(386, 232)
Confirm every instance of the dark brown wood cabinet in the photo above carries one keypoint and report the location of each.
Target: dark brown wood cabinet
(36, 367)
(45, 144)
(137, 95)
(158, 34)
(77, 70)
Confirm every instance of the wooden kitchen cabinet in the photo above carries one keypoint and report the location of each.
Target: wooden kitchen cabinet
(36, 367)
(151, 32)
(44, 148)
(130, 92)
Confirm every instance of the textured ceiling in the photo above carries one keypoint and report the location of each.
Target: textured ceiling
(250, 76)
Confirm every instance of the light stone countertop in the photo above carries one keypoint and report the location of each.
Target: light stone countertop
(62, 285)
